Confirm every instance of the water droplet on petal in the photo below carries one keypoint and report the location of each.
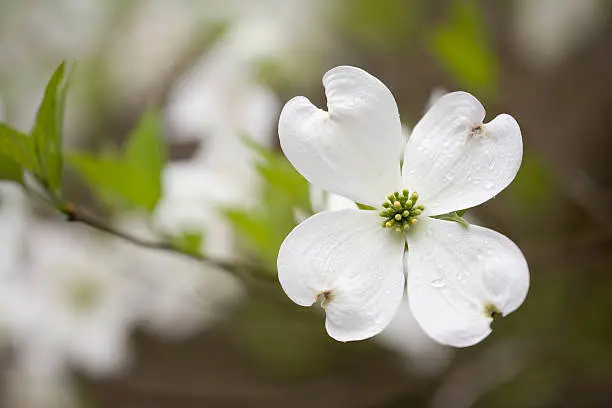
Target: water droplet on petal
(438, 283)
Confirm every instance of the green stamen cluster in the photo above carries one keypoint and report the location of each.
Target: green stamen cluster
(400, 210)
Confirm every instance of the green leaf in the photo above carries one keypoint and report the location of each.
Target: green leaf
(18, 147)
(280, 175)
(461, 46)
(146, 151)
(145, 147)
(189, 241)
(47, 131)
(255, 230)
(115, 182)
(453, 216)
(10, 170)
(132, 178)
(283, 192)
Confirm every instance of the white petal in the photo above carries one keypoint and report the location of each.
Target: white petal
(454, 161)
(352, 149)
(350, 255)
(454, 273)
(405, 136)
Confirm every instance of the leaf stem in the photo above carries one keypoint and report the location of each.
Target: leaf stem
(74, 215)
(244, 271)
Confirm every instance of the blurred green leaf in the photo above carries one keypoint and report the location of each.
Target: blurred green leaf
(115, 182)
(189, 241)
(384, 24)
(461, 46)
(10, 170)
(18, 147)
(146, 150)
(280, 175)
(47, 131)
(132, 178)
(284, 193)
(255, 229)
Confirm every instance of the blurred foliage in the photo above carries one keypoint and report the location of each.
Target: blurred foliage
(285, 195)
(462, 47)
(40, 153)
(17, 152)
(189, 242)
(133, 177)
(47, 131)
(386, 24)
(10, 170)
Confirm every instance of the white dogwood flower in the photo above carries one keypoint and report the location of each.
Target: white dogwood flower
(351, 260)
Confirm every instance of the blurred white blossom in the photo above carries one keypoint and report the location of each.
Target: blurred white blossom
(82, 299)
(135, 66)
(64, 305)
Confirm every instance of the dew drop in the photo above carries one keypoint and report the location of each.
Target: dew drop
(438, 283)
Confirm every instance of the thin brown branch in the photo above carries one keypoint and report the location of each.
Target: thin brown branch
(248, 273)
(74, 215)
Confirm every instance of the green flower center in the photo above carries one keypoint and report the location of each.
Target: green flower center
(400, 210)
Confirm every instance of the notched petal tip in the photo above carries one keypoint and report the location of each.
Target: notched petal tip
(490, 310)
(329, 147)
(348, 263)
(456, 160)
(324, 298)
(460, 279)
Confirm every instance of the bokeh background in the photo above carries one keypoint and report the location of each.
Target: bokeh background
(89, 320)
